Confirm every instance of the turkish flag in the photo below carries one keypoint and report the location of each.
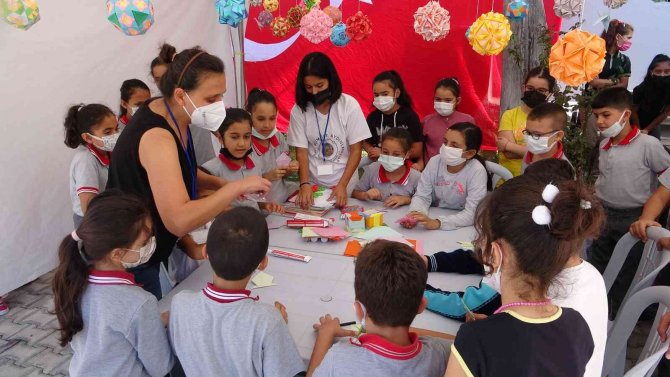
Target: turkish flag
(271, 63)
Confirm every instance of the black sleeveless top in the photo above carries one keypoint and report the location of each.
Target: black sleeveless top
(127, 174)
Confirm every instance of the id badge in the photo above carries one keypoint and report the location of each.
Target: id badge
(325, 169)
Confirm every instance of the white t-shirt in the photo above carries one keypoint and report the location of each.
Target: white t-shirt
(346, 126)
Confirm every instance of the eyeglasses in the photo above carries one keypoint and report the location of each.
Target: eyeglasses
(538, 136)
(529, 88)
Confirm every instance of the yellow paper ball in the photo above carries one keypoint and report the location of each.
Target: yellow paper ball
(490, 34)
(577, 57)
(271, 5)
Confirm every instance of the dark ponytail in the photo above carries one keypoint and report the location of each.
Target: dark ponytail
(128, 89)
(257, 96)
(186, 68)
(80, 119)
(615, 27)
(113, 220)
(395, 82)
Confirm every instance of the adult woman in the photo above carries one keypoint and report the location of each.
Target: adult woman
(327, 128)
(156, 157)
(651, 98)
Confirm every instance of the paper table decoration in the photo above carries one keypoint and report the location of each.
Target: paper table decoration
(231, 12)
(577, 57)
(490, 34)
(21, 14)
(432, 22)
(131, 17)
(316, 26)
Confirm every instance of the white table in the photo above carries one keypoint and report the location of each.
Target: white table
(303, 287)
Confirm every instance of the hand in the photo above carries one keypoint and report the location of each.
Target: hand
(395, 201)
(373, 194)
(274, 207)
(340, 195)
(663, 244)
(639, 228)
(418, 166)
(373, 153)
(662, 331)
(275, 175)
(329, 326)
(191, 248)
(253, 185)
(427, 222)
(478, 317)
(646, 132)
(165, 317)
(293, 166)
(305, 197)
(282, 310)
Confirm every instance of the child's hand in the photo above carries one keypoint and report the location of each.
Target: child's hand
(639, 228)
(274, 207)
(293, 166)
(275, 175)
(395, 201)
(427, 222)
(373, 153)
(478, 317)
(282, 310)
(329, 326)
(165, 317)
(408, 221)
(373, 194)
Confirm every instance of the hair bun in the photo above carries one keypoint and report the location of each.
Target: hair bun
(167, 53)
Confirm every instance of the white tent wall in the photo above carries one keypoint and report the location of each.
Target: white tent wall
(72, 55)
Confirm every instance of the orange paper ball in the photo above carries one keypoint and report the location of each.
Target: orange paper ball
(577, 57)
(279, 26)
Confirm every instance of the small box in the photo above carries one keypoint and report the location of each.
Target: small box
(354, 222)
(373, 220)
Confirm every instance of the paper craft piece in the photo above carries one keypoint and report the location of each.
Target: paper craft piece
(338, 35)
(432, 22)
(20, 13)
(131, 17)
(374, 220)
(378, 232)
(353, 248)
(262, 280)
(490, 34)
(322, 223)
(354, 222)
(333, 232)
(466, 245)
(614, 4)
(359, 27)
(418, 246)
(396, 239)
(316, 25)
(231, 12)
(333, 12)
(289, 255)
(295, 14)
(280, 28)
(283, 161)
(256, 3)
(407, 221)
(308, 232)
(274, 222)
(264, 19)
(568, 8)
(271, 5)
(516, 10)
(312, 3)
(577, 57)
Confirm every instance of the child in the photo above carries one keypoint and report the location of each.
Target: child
(539, 84)
(133, 94)
(389, 279)
(446, 100)
(268, 144)
(393, 110)
(629, 164)
(160, 63)
(651, 98)
(543, 134)
(617, 69)
(223, 329)
(233, 162)
(455, 179)
(391, 179)
(528, 232)
(113, 325)
(92, 130)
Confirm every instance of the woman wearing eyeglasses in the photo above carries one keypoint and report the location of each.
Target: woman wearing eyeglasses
(511, 144)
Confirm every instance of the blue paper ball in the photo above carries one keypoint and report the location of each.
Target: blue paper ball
(467, 33)
(231, 12)
(339, 35)
(517, 10)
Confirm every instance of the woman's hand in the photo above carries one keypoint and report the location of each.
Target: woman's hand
(305, 198)
(253, 185)
(395, 201)
(340, 195)
(275, 175)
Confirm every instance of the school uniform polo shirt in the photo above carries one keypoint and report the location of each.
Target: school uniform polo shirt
(375, 177)
(528, 158)
(218, 332)
(89, 170)
(123, 333)
(266, 160)
(224, 168)
(373, 356)
(629, 170)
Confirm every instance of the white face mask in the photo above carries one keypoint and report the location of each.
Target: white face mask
(541, 145)
(145, 253)
(614, 129)
(444, 108)
(208, 117)
(384, 103)
(391, 163)
(451, 156)
(258, 135)
(108, 142)
(495, 276)
(133, 110)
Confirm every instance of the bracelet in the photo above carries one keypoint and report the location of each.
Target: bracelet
(305, 183)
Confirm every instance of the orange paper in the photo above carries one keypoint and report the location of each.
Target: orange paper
(354, 247)
(577, 57)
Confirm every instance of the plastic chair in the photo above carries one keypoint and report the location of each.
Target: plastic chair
(615, 350)
(498, 172)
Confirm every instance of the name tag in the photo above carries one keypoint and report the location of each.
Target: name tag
(325, 169)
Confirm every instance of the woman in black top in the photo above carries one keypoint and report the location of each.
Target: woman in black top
(617, 69)
(651, 99)
(155, 158)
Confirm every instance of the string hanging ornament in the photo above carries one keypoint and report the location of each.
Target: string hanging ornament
(279, 25)
(231, 12)
(432, 22)
(359, 26)
(131, 17)
(21, 14)
(316, 26)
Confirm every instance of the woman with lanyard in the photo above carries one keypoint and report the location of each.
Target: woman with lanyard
(155, 157)
(327, 129)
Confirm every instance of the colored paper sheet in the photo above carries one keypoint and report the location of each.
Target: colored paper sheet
(353, 248)
(308, 232)
(262, 279)
(379, 232)
(332, 232)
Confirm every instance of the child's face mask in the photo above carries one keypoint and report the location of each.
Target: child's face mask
(145, 252)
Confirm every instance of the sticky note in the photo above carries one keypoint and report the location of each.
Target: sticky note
(262, 279)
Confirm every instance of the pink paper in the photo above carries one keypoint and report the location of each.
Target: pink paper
(283, 160)
(332, 232)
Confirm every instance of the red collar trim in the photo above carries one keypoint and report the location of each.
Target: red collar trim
(402, 181)
(634, 132)
(110, 277)
(226, 296)
(248, 163)
(528, 158)
(103, 157)
(124, 119)
(261, 149)
(383, 347)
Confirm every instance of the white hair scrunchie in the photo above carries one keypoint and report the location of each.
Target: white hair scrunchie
(549, 193)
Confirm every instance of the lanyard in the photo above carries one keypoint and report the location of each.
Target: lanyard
(381, 127)
(322, 138)
(192, 193)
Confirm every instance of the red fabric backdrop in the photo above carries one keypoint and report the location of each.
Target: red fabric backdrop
(393, 45)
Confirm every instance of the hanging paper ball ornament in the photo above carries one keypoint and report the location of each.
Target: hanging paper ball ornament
(614, 4)
(312, 3)
(231, 12)
(490, 34)
(517, 10)
(577, 57)
(359, 27)
(264, 19)
(20, 13)
(339, 35)
(131, 17)
(334, 12)
(279, 26)
(316, 26)
(432, 22)
(256, 3)
(467, 32)
(568, 8)
(271, 5)
(295, 14)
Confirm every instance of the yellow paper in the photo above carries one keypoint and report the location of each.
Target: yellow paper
(262, 279)
(308, 232)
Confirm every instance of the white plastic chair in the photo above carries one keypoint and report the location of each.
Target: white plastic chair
(615, 350)
(499, 172)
